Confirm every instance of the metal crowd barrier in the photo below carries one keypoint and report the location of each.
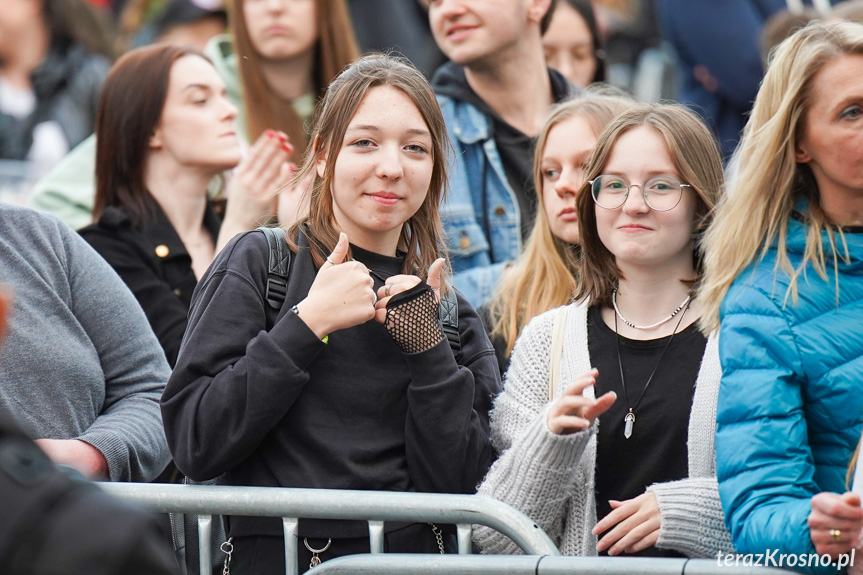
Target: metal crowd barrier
(375, 507)
(397, 564)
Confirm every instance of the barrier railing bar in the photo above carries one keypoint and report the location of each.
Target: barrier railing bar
(465, 535)
(376, 536)
(290, 528)
(403, 564)
(205, 535)
(339, 504)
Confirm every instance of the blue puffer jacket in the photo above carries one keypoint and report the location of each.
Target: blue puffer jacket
(791, 398)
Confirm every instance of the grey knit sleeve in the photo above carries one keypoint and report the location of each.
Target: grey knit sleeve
(691, 517)
(535, 471)
(128, 428)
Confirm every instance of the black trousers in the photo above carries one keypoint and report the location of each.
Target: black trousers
(265, 555)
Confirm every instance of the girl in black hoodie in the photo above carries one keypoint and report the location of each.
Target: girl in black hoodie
(354, 385)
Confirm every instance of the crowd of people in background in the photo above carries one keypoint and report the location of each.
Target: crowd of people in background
(601, 260)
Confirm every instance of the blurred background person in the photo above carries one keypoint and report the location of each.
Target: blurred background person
(784, 285)
(572, 43)
(54, 55)
(544, 276)
(157, 150)
(718, 58)
(401, 26)
(290, 51)
(184, 22)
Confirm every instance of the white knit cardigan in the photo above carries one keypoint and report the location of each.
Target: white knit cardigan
(551, 477)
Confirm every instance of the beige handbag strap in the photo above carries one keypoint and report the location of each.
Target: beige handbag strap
(557, 336)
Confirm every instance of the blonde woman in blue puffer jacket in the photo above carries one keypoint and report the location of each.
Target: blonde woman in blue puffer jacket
(784, 283)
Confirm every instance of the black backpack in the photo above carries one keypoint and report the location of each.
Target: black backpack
(279, 270)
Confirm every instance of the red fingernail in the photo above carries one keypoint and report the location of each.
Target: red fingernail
(292, 167)
(271, 134)
(283, 138)
(287, 148)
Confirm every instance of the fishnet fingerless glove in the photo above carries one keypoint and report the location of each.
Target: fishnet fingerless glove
(412, 319)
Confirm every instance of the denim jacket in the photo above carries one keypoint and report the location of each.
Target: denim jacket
(483, 233)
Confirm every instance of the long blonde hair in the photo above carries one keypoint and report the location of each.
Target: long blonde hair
(754, 215)
(422, 235)
(543, 277)
(695, 154)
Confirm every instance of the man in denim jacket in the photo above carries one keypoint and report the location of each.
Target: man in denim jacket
(495, 95)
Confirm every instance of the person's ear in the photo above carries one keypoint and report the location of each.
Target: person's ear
(801, 155)
(156, 139)
(538, 9)
(320, 157)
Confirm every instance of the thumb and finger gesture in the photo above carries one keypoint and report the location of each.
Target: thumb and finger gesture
(402, 282)
(342, 294)
(571, 411)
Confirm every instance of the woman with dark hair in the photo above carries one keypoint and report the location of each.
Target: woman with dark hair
(572, 43)
(289, 49)
(53, 58)
(341, 389)
(157, 150)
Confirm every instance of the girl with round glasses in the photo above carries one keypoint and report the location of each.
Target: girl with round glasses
(608, 446)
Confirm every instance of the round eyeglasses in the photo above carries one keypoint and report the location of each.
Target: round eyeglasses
(661, 193)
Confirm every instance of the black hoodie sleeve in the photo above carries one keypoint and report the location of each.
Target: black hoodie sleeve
(447, 432)
(233, 380)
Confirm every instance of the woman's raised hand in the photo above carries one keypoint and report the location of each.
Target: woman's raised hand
(253, 189)
(341, 296)
(571, 411)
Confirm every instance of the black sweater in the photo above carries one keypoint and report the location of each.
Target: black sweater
(153, 262)
(281, 408)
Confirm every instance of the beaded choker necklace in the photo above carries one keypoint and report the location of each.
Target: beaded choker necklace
(653, 325)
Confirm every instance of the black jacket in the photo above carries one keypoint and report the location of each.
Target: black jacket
(279, 407)
(155, 265)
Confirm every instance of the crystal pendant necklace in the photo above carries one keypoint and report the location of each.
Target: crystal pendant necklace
(629, 419)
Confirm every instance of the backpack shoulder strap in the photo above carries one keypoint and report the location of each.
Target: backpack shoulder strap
(448, 313)
(278, 266)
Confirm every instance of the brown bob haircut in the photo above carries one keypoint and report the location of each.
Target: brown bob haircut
(422, 235)
(695, 155)
(335, 48)
(130, 108)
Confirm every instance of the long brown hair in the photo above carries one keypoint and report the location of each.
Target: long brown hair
(125, 122)
(422, 235)
(335, 48)
(544, 276)
(695, 155)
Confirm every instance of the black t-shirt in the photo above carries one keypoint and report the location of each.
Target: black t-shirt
(656, 452)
